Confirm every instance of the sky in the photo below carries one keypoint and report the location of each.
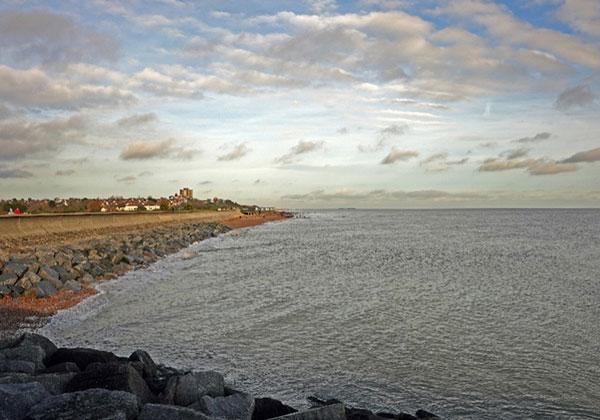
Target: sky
(305, 103)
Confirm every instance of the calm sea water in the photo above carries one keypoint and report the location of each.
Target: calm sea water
(471, 314)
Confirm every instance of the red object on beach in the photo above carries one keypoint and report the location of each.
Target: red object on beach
(18, 211)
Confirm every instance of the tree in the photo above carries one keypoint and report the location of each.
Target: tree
(94, 206)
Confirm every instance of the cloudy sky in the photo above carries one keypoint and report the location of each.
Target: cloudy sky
(303, 103)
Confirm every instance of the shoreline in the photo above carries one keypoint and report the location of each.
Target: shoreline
(29, 312)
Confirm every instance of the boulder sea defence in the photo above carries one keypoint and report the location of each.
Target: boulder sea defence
(45, 271)
(82, 383)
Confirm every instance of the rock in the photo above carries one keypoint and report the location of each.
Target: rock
(17, 399)
(16, 291)
(45, 289)
(114, 376)
(169, 412)
(406, 416)
(5, 291)
(62, 259)
(16, 366)
(422, 414)
(92, 404)
(8, 279)
(54, 383)
(80, 356)
(30, 353)
(9, 342)
(71, 286)
(67, 367)
(29, 280)
(361, 414)
(31, 339)
(63, 274)
(237, 406)
(149, 367)
(48, 274)
(15, 268)
(328, 412)
(267, 408)
(187, 389)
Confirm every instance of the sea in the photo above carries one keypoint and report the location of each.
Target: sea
(469, 314)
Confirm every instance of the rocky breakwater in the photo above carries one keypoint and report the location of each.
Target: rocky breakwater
(39, 381)
(43, 272)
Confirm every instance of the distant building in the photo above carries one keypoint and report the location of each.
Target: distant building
(130, 207)
(152, 208)
(186, 193)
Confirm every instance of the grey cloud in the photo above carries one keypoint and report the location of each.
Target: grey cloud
(550, 167)
(205, 183)
(237, 153)
(343, 130)
(515, 153)
(534, 166)
(576, 96)
(145, 173)
(35, 88)
(536, 138)
(434, 158)
(384, 135)
(39, 35)
(257, 181)
(458, 162)
(137, 119)
(14, 173)
(20, 137)
(592, 155)
(127, 179)
(301, 148)
(65, 172)
(394, 130)
(396, 155)
(140, 150)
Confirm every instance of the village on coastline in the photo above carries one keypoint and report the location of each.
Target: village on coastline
(182, 200)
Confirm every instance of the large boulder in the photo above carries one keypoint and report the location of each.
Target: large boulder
(93, 404)
(16, 366)
(422, 414)
(114, 376)
(45, 289)
(48, 274)
(8, 279)
(17, 399)
(268, 408)
(189, 388)
(54, 383)
(169, 412)
(15, 268)
(66, 367)
(236, 407)
(149, 367)
(329, 412)
(29, 353)
(82, 357)
(31, 339)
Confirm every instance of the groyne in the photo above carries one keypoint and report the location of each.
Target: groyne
(40, 381)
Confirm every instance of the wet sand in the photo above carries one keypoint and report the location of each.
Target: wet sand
(30, 313)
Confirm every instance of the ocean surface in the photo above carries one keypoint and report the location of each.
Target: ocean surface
(470, 314)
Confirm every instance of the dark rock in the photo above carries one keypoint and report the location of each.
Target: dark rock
(267, 408)
(48, 274)
(71, 286)
(189, 388)
(9, 342)
(63, 274)
(149, 367)
(16, 366)
(8, 279)
(93, 404)
(114, 376)
(169, 412)
(388, 415)
(328, 412)
(15, 268)
(17, 399)
(237, 406)
(80, 356)
(16, 291)
(45, 289)
(67, 367)
(317, 402)
(29, 353)
(5, 291)
(54, 383)
(32, 339)
(406, 416)
(422, 414)
(361, 414)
